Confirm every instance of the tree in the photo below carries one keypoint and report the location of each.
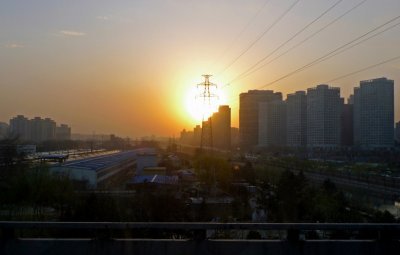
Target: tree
(211, 169)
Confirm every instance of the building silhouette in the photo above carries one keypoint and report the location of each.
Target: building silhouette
(221, 128)
(20, 126)
(191, 137)
(235, 142)
(42, 129)
(63, 132)
(38, 130)
(296, 104)
(4, 129)
(397, 132)
(219, 123)
(272, 123)
(347, 123)
(324, 109)
(248, 115)
(374, 114)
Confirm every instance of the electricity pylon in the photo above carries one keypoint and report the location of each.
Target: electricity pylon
(206, 96)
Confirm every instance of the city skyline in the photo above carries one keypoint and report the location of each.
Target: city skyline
(318, 118)
(127, 68)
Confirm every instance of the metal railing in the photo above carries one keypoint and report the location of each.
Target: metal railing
(12, 226)
(167, 238)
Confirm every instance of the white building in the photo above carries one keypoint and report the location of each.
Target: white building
(20, 126)
(374, 114)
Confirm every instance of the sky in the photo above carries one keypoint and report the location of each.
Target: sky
(127, 67)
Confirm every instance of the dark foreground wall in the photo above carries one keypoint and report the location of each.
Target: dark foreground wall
(140, 238)
(201, 247)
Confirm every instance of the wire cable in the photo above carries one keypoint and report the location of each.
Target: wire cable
(287, 41)
(227, 49)
(234, 106)
(341, 49)
(259, 37)
(323, 58)
(364, 69)
(301, 42)
(358, 43)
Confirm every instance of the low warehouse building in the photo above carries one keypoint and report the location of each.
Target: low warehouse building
(100, 171)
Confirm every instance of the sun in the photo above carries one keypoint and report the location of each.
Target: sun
(200, 109)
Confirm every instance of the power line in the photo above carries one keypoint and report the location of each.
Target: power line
(227, 49)
(323, 58)
(349, 74)
(364, 69)
(301, 42)
(206, 95)
(341, 49)
(352, 46)
(287, 41)
(259, 37)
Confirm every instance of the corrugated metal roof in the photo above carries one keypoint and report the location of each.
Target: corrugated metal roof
(100, 162)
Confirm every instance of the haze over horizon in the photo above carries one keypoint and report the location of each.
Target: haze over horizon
(127, 67)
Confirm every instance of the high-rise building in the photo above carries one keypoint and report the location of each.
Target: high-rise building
(63, 132)
(191, 137)
(42, 129)
(50, 127)
(38, 129)
(20, 126)
(197, 135)
(186, 137)
(296, 119)
(374, 114)
(324, 109)
(272, 124)
(235, 142)
(248, 115)
(4, 128)
(221, 127)
(36, 126)
(397, 132)
(347, 124)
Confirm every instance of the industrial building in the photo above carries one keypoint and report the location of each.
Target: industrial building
(145, 160)
(149, 174)
(101, 171)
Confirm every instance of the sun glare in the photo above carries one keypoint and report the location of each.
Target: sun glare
(198, 108)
